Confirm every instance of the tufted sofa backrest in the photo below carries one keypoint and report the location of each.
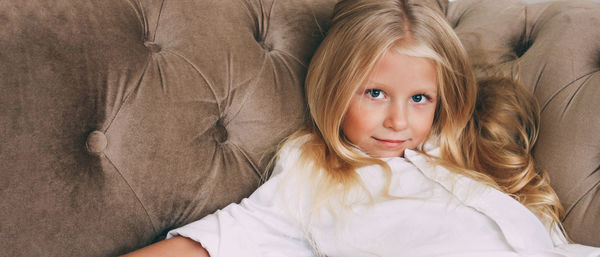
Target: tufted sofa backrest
(122, 119)
(554, 49)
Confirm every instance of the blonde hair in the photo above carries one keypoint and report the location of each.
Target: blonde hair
(507, 118)
(361, 31)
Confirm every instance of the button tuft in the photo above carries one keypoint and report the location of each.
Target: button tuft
(96, 142)
(153, 47)
(520, 47)
(266, 46)
(220, 133)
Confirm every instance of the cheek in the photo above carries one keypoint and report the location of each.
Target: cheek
(427, 127)
(424, 125)
(357, 124)
(351, 125)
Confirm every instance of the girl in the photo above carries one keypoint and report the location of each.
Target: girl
(401, 156)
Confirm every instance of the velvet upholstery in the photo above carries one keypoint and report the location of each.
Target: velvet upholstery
(554, 49)
(122, 119)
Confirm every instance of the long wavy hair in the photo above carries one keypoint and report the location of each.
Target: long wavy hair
(506, 121)
(473, 139)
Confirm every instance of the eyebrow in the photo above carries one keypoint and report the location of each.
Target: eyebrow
(386, 85)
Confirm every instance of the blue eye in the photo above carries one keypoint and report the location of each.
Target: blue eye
(374, 93)
(420, 98)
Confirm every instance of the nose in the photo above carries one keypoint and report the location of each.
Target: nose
(396, 118)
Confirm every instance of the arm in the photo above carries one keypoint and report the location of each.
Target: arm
(177, 246)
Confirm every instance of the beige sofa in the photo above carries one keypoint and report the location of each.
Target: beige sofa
(123, 119)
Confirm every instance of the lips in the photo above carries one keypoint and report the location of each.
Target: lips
(390, 142)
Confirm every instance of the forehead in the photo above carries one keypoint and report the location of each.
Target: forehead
(396, 68)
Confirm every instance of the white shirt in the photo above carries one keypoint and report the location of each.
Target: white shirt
(435, 213)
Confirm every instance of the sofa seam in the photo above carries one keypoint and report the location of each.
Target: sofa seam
(139, 200)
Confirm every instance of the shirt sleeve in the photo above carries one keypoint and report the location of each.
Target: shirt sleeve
(260, 225)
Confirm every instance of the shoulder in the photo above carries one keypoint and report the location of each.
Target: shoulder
(290, 152)
(517, 223)
(293, 144)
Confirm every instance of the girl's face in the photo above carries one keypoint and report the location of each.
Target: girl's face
(394, 109)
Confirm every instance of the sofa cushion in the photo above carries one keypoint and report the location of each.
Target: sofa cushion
(120, 120)
(554, 49)
(123, 119)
